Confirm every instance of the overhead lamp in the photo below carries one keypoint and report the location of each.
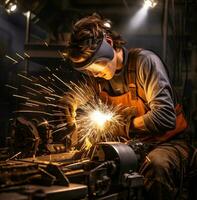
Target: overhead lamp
(150, 3)
(107, 24)
(11, 6)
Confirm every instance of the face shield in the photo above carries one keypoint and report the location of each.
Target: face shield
(104, 51)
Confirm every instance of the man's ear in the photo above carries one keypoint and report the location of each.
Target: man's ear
(109, 40)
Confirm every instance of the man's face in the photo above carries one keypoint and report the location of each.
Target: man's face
(102, 64)
(102, 68)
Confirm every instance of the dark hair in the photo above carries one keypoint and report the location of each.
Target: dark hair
(86, 35)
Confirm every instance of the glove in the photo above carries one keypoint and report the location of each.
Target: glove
(70, 104)
(68, 101)
(127, 114)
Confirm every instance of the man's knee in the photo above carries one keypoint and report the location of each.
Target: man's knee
(158, 162)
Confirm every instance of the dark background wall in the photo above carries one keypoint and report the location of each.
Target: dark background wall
(12, 39)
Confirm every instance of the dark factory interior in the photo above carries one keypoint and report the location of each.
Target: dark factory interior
(45, 157)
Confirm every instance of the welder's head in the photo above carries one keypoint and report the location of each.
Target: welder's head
(93, 45)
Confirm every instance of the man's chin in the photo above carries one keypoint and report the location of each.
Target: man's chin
(108, 77)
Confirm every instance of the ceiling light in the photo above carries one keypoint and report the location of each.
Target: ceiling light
(13, 7)
(150, 3)
(10, 6)
(107, 24)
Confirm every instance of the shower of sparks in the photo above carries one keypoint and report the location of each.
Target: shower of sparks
(95, 120)
(39, 98)
(98, 122)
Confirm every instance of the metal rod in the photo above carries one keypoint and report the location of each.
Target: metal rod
(27, 37)
(165, 30)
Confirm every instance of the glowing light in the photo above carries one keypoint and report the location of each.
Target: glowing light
(107, 24)
(150, 3)
(100, 118)
(11, 7)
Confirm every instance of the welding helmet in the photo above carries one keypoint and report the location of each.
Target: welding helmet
(104, 51)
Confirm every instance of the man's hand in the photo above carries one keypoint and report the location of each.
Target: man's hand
(128, 114)
(68, 101)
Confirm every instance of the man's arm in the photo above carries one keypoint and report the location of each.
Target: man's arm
(151, 75)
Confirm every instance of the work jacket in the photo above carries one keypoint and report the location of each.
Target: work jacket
(143, 83)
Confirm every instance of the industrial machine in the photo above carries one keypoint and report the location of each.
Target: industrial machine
(37, 167)
(109, 174)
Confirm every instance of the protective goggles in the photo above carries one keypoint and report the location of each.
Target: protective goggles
(104, 51)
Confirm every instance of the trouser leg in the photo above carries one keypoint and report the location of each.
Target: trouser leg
(163, 170)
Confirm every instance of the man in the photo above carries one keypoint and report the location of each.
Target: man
(136, 78)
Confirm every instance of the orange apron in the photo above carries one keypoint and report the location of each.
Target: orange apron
(126, 100)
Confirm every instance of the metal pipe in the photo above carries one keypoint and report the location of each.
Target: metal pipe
(165, 29)
(27, 38)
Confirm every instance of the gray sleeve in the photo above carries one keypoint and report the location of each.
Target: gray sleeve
(152, 76)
